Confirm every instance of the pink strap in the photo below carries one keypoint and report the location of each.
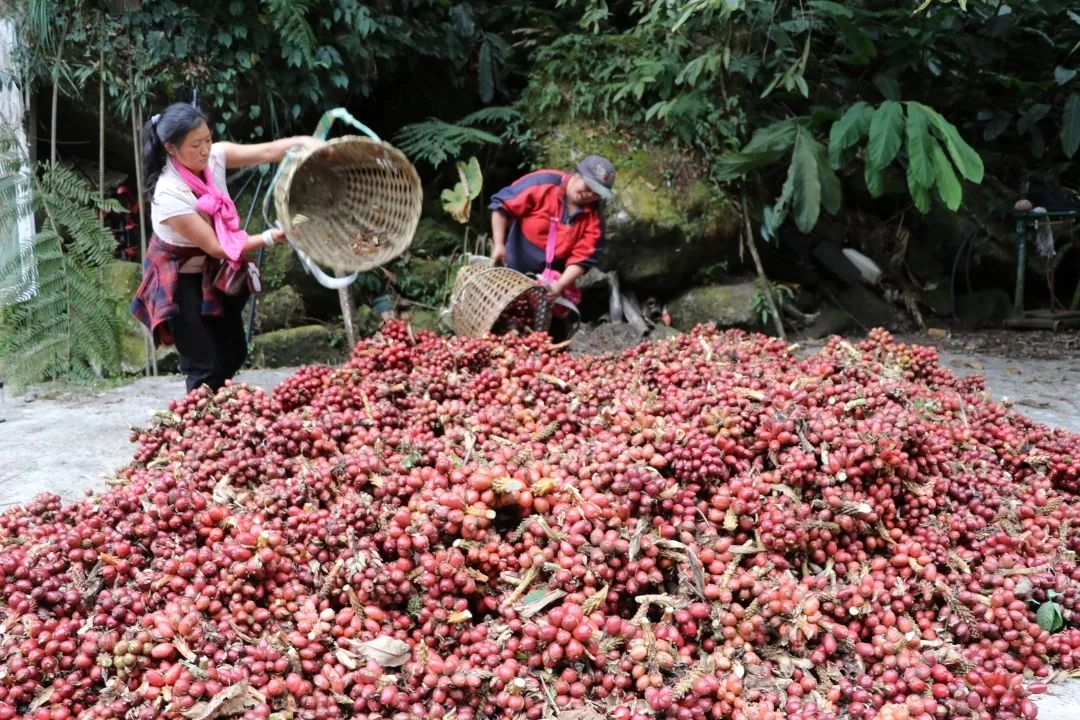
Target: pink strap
(221, 209)
(549, 252)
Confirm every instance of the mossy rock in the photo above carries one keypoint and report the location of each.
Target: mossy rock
(302, 345)
(122, 280)
(278, 309)
(666, 222)
(424, 319)
(724, 305)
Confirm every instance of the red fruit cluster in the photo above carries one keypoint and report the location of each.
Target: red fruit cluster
(707, 527)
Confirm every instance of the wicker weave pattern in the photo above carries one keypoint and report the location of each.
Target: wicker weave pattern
(352, 204)
(482, 293)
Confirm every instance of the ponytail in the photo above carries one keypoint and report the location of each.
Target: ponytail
(171, 126)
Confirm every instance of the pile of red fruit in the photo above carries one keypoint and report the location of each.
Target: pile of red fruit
(708, 527)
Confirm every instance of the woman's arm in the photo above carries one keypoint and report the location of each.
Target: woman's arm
(499, 223)
(199, 232)
(237, 155)
(572, 273)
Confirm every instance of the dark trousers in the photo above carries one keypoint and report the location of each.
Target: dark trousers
(212, 350)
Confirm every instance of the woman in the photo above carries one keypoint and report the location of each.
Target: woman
(196, 229)
(552, 220)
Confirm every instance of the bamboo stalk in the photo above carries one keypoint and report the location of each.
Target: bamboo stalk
(151, 355)
(101, 124)
(752, 245)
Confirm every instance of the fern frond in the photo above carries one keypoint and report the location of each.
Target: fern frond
(64, 329)
(493, 114)
(435, 141)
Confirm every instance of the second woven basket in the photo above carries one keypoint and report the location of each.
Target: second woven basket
(482, 295)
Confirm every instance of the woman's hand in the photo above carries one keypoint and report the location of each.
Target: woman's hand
(307, 142)
(498, 255)
(277, 236)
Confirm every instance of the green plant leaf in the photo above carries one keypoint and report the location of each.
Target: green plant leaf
(456, 202)
(966, 159)
(922, 199)
(886, 133)
(920, 163)
(1049, 617)
(831, 193)
(848, 131)
(732, 166)
(948, 185)
(779, 136)
(474, 179)
(807, 183)
(1070, 125)
(875, 180)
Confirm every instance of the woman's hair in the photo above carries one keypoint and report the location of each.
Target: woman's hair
(171, 126)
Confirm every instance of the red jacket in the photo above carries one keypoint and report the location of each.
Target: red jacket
(531, 201)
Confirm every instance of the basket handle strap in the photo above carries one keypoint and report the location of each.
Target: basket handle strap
(327, 281)
(322, 130)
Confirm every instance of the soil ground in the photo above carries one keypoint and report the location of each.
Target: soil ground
(70, 441)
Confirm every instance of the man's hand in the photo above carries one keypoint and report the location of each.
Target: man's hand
(498, 255)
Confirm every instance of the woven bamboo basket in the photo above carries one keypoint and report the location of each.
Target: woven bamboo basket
(482, 294)
(352, 204)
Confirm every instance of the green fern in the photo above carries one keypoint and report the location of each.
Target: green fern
(435, 141)
(61, 331)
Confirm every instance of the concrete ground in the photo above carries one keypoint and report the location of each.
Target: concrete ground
(65, 443)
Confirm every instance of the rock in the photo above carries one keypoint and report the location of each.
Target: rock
(867, 309)
(666, 223)
(278, 309)
(302, 345)
(830, 321)
(724, 305)
(436, 239)
(663, 332)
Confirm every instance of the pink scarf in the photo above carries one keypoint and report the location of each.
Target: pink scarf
(221, 209)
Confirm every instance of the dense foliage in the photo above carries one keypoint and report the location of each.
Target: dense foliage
(59, 331)
(709, 73)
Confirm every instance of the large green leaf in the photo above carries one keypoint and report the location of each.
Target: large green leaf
(922, 199)
(807, 184)
(886, 133)
(848, 131)
(1070, 125)
(732, 166)
(772, 138)
(966, 159)
(875, 180)
(948, 185)
(920, 163)
(472, 177)
(831, 194)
